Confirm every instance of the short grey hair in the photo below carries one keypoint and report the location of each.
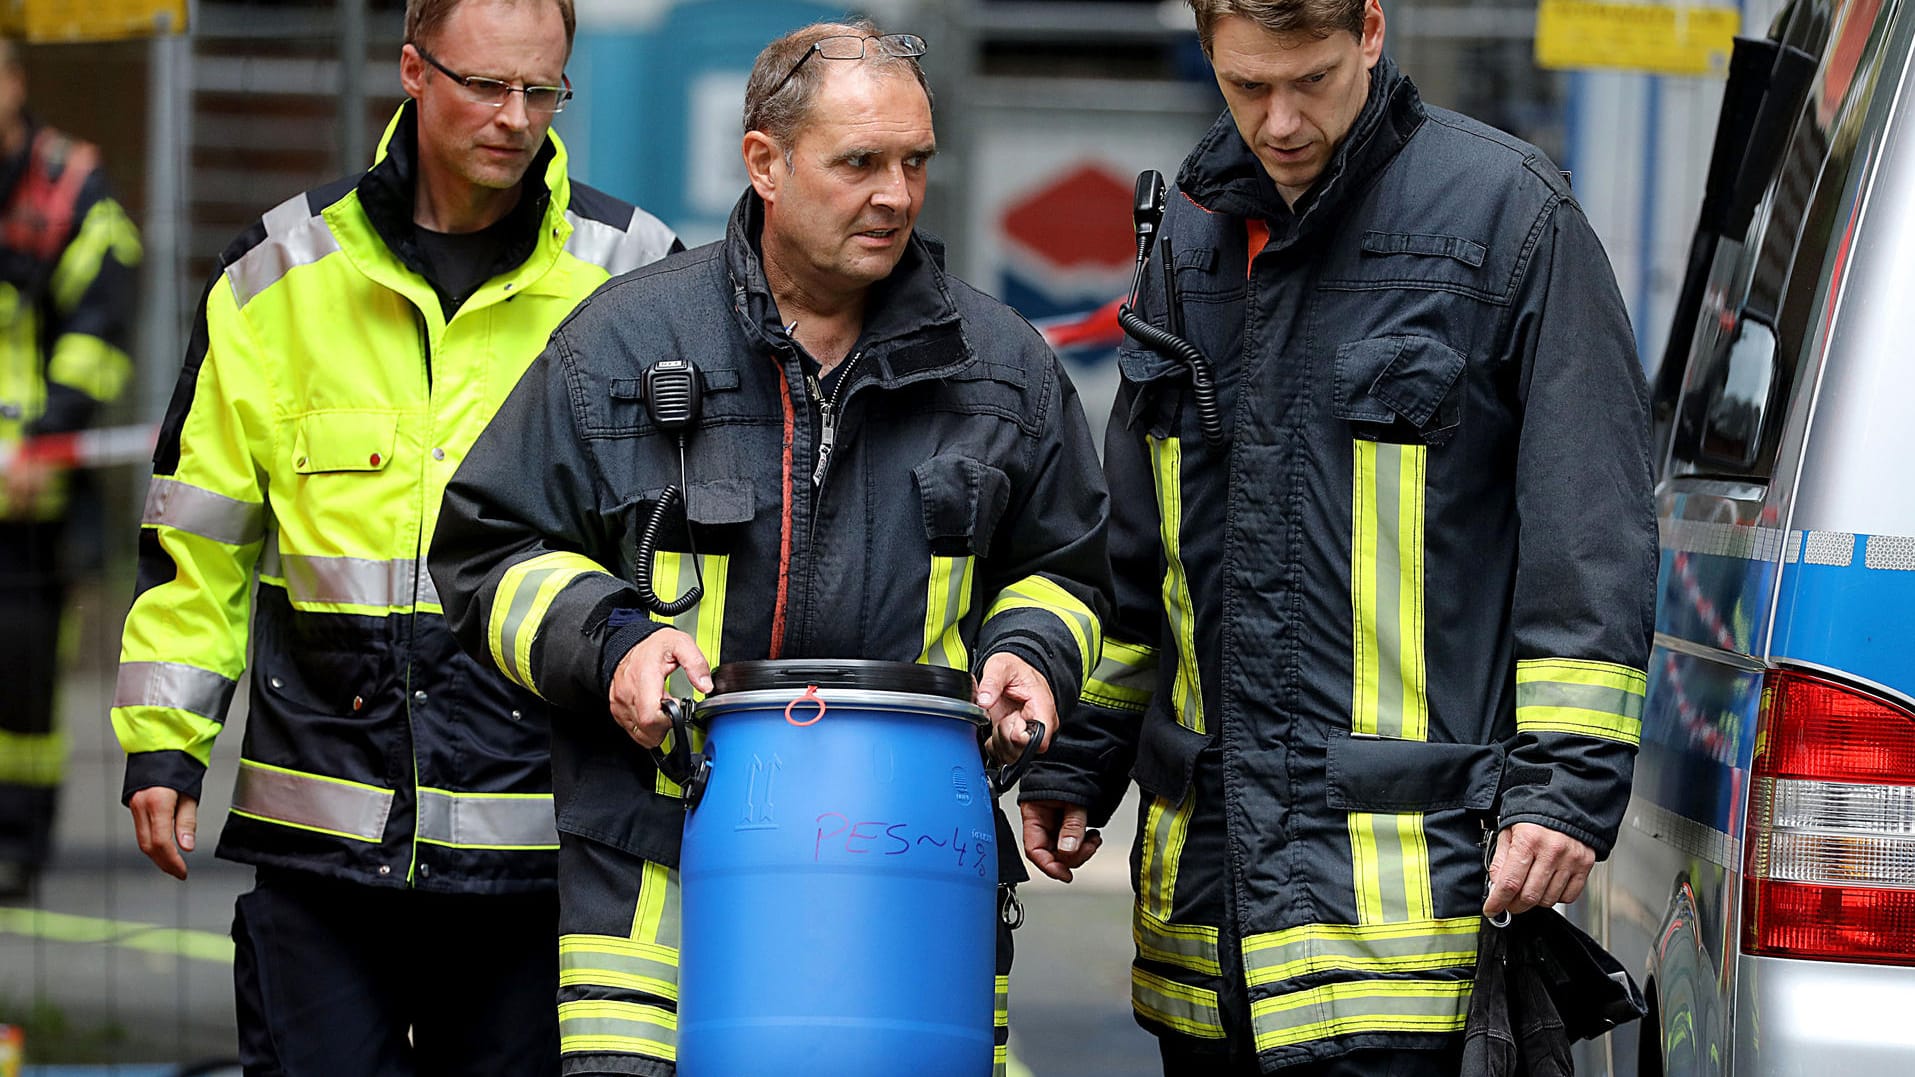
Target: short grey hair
(782, 114)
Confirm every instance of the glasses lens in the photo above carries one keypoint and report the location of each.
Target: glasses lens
(843, 47)
(903, 46)
(487, 91)
(545, 98)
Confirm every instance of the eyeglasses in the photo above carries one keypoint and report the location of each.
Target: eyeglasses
(851, 47)
(495, 92)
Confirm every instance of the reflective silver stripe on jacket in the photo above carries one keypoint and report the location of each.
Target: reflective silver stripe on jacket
(171, 684)
(185, 507)
(311, 802)
(619, 250)
(351, 581)
(295, 236)
(487, 821)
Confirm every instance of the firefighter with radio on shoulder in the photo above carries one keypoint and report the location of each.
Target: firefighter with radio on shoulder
(875, 460)
(1385, 552)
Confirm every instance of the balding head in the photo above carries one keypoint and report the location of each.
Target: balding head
(779, 99)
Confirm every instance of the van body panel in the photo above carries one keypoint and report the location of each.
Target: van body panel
(1824, 1018)
(1846, 607)
(1787, 519)
(1855, 464)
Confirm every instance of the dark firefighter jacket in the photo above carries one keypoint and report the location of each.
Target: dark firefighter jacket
(324, 402)
(959, 511)
(1419, 570)
(67, 259)
(68, 255)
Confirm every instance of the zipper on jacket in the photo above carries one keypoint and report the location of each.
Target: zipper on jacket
(828, 412)
(412, 623)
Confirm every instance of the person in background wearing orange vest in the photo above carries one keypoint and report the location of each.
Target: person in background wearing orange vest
(67, 260)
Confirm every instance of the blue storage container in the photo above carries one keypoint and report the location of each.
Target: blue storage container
(839, 876)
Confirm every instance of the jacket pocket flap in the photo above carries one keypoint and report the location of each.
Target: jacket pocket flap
(963, 499)
(717, 380)
(984, 370)
(720, 501)
(344, 441)
(1142, 366)
(1166, 755)
(1386, 775)
(1381, 378)
(1468, 252)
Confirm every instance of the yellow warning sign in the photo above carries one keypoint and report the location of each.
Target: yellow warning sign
(91, 20)
(1657, 38)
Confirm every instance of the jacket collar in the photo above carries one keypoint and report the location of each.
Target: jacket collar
(1223, 176)
(911, 327)
(388, 189)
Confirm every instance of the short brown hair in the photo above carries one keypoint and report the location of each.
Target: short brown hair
(425, 17)
(782, 114)
(1282, 18)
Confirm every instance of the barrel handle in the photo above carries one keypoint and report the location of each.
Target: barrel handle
(1004, 777)
(687, 769)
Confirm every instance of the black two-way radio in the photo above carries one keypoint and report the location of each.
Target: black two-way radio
(1147, 213)
(673, 392)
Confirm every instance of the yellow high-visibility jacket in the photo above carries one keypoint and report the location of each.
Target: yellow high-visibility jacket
(325, 401)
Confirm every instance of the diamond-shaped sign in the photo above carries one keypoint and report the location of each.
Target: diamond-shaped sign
(1078, 219)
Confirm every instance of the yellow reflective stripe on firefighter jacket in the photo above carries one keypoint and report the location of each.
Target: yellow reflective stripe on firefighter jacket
(325, 401)
(1407, 597)
(68, 254)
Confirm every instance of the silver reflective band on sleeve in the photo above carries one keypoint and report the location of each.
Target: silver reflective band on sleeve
(171, 684)
(618, 250)
(425, 592)
(354, 581)
(311, 801)
(184, 507)
(295, 236)
(487, 820)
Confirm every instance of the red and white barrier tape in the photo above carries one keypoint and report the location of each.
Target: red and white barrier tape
(104, 447)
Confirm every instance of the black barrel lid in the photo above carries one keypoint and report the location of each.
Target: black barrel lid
(796, 674)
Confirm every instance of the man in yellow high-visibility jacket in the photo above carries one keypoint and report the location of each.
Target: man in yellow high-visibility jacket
(394, 795)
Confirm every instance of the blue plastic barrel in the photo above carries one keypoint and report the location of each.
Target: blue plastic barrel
(839, 877)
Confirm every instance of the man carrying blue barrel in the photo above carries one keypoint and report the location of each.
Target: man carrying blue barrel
(878, 462)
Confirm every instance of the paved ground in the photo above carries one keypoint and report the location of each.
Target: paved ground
(116, 963)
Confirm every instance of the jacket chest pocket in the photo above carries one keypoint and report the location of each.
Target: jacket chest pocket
(325, 442)
(1393, 261)
(1156, 387)
(709, 516)
(963, 499)
(1402, 389)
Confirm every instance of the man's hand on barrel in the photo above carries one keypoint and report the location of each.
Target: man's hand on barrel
(638, 684)
(1012, 693)
(1058, 837)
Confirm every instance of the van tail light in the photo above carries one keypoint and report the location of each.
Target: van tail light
(1829, 870)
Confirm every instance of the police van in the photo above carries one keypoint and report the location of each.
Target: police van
(1763, 887)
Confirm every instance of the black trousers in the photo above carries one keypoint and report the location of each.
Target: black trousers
(1180, 1062)
(32, 595)
(336, 979)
